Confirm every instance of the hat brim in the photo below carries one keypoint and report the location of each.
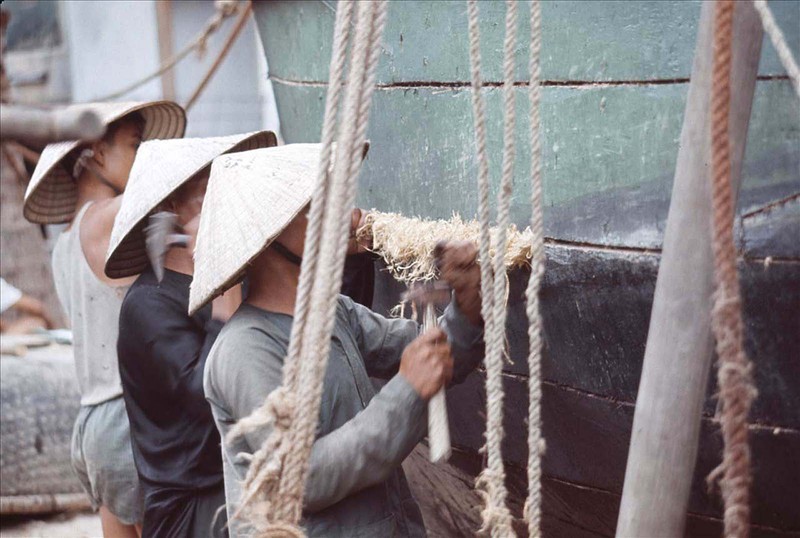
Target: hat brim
(127, 254)
(235, 230)
(52, 192)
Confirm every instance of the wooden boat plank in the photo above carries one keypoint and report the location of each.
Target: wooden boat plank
(588, 438)
(428, 41)
(596, 310)
(608, 154)
(774, 231)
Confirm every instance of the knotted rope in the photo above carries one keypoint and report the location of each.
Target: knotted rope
(496, 516)
(779, 42)
(734, 374)
(535, 440)
(275, 482)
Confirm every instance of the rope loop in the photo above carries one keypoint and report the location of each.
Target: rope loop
(275, 482)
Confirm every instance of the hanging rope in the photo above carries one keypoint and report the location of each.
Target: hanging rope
(335, 234)
(264, 471)
(223, 52)
(274, 486)
(734, 373)
(533, 509)
(496, 516)
(779, 42)
(223, 11)
(263, 474)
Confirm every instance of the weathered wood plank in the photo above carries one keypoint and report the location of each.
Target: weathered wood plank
(582, 41)
(608, 154)
(569, 509)
(596, 306)
(773, 231)
(587, 441)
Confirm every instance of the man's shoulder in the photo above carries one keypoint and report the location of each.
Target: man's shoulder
(145, 295)
(245, 337)
(102, 211)
(244, 346)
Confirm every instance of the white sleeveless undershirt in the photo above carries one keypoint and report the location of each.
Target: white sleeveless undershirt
(93, 310)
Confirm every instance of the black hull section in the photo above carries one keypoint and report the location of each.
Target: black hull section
(596, 307)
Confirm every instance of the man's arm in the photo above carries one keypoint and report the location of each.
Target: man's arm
(367, 448)
(96, 226)
(382, 341)
(363, 451)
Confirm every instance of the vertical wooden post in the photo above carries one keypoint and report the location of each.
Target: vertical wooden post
(677, 360)
(164, 20)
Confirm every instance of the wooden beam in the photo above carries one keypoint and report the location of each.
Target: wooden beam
(46, 126)
(677, 360)
(164, 20)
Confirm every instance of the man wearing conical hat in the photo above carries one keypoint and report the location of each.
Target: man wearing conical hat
(356, 484)
(81, 185)
(161, 349)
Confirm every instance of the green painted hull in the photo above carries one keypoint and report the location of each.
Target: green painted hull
(616, 76)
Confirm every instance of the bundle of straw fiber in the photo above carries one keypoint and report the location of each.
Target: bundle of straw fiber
(406, 243)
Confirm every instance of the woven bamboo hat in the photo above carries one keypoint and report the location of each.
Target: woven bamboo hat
(52, 192)
(251, 198)
(160, 168)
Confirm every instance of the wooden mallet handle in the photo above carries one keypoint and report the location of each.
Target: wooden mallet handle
(438, 426)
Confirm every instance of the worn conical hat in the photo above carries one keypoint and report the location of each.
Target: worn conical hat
(52, 191)
(160, 168)
(251, 198)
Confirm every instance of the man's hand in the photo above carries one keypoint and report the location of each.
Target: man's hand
(427, 363)
(457, 263)
(191, 228)
(355, 245)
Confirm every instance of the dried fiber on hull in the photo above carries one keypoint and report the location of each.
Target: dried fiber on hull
(406, 243)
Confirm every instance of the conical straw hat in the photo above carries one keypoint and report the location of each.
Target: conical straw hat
(52, 192)
(251, 198)
(160, 168)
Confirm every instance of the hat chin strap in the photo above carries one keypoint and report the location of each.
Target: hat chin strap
(290, 256)
(85, 161)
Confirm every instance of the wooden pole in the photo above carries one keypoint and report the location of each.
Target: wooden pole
(45, 126)
(677, 359)
(164, 21)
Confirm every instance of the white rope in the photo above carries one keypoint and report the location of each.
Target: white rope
(496, 516)
(533, 509)
(333, 241)
(276, 479)
(260, 487)
(779, 42)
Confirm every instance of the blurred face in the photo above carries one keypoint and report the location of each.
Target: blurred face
(114, 156)
(187, 202)
(294, 236)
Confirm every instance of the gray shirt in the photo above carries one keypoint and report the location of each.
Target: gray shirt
(356, 485)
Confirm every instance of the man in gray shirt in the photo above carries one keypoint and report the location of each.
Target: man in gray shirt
(356, 485)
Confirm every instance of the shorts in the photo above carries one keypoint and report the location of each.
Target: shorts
(103, 458)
